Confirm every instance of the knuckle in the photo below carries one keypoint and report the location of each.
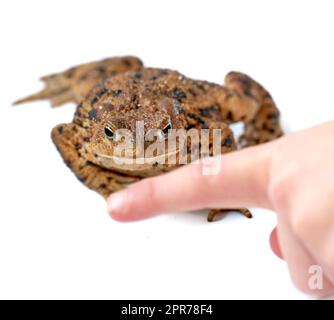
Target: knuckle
(302, 224)
(280, 180)
(278, 191)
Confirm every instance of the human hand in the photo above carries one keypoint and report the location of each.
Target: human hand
(292, 176)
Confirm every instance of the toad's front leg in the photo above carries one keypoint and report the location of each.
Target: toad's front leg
(227, 145)
(69, 140)
(264, 125)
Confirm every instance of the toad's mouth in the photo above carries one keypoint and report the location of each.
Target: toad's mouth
(140, 160)
(137, 164)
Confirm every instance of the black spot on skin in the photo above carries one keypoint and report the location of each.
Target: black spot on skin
(178, 108)
(86, 139)
(163, 72)
(155, 164)
(68, 163)
(196, 117)
(190, 126)
(126, 62)
(192, 92)
(178, 94)
(210, 84)
(60, 129)
(117, 93)
(272, 115)
(101, 92)
(101, 69)
(200, 87)
(268, 96)
(94, 100)
(271, 130)
(77, 112)
(137, 75)
(83, 77)
(228, 142)
(102, 186)
(229, 116)
(92, 114)
(214, 108)
(78, 146)
(183, 79)
(82, 179)
(205, 112)
(95, 155)
(70, 72)
(98, 95)
(246, 85)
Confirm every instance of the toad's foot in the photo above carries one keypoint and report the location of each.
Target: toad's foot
(213, 212)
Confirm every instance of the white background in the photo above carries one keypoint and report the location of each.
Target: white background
(56, 239)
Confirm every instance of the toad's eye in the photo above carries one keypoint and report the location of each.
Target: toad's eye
(108, 132)
(168, 127)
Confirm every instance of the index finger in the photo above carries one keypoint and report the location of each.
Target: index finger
(241, 180)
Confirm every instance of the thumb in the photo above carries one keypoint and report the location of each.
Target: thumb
(233, 180)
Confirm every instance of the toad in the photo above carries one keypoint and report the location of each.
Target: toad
(114, 95)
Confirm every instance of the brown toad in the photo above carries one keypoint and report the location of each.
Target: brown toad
(116, 94)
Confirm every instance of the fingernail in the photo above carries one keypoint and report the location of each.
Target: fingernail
(116, 203)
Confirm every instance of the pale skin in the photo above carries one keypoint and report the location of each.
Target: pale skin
(293, 176)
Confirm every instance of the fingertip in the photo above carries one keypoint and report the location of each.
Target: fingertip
(130, 204)
(274, 244)
(116, 204)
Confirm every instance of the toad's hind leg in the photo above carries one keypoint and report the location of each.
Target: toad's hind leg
(214, 212)
(68, 140)
(73, 85)
(264, 126)
(57, 89)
